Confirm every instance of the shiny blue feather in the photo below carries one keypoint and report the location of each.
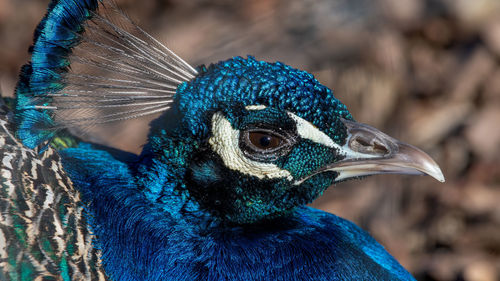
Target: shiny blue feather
(177, 211)
(180, 241)
(117, 72)
(54, 38)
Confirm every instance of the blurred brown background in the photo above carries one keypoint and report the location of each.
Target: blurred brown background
(424, 71)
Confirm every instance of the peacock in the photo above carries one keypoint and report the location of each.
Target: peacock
(220, 189)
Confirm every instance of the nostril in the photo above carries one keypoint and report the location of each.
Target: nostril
(362, 141)
(380, 148)
(369, 146)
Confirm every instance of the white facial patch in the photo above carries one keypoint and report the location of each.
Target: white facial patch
(224, 141)
(308, 131)
(255, 107)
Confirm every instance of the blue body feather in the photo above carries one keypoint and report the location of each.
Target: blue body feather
(176, 212)
(144, 208)
(141, 241)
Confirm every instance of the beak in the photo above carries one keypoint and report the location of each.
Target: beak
(368, 151)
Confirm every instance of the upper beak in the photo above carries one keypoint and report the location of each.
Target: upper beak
(368, 151)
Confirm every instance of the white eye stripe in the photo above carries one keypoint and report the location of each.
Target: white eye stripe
(255, 107)
(224, 141)
(306, 130)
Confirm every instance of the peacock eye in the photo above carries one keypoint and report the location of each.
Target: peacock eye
(264, 140)
(264, 144)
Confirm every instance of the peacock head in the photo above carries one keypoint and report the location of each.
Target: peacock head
(260, 139)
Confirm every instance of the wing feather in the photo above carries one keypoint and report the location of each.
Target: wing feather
(43, 229)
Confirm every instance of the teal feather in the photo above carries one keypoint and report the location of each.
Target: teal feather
(190, 206)
(137, 75)
(54, 39)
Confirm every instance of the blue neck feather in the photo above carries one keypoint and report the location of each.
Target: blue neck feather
(142, 210)
(179, 241)
(146, 223)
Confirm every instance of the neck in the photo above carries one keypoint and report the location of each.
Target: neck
(160, 229)
(160, 174)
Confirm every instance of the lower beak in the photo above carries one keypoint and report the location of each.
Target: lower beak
(368, 151)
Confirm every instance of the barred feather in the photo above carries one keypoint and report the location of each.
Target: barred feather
(43, 230)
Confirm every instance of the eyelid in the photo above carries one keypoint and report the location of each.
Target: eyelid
(273, 141)
(266, 131)
(270, 129)
(265, 154)
(284, 139)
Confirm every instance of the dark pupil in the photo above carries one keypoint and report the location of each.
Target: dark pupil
(264, 140)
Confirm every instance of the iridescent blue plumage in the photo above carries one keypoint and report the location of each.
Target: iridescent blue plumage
(180, 241)
(160, 212)
(218, 192)
(54, 37)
